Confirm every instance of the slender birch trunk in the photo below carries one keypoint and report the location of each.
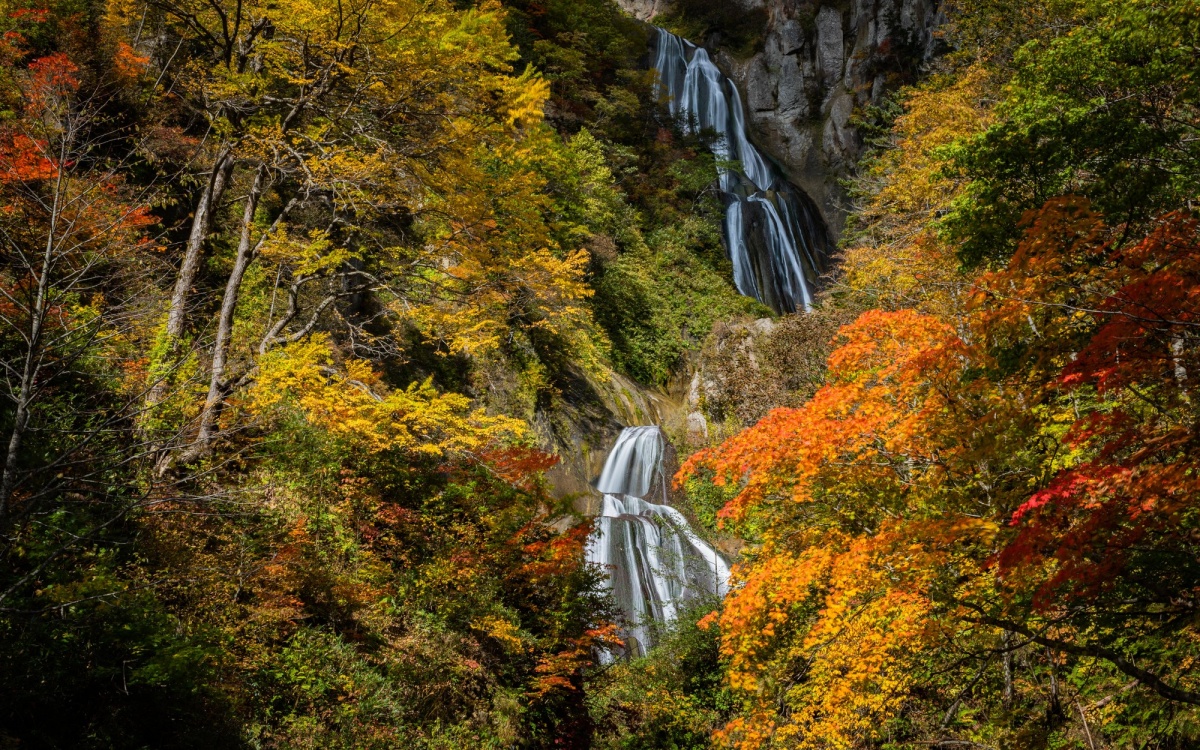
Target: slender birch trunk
(33, 352)
(202, 220)
(245, 254)
(201, 223)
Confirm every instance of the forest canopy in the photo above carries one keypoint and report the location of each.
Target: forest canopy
(980, 531)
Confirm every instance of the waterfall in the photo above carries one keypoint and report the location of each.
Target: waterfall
(773, 233)
(654, 561)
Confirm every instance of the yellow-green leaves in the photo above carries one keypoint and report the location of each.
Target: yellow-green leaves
(352, 403)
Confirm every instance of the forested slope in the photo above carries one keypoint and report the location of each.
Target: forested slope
(284, 287)
(980, 531)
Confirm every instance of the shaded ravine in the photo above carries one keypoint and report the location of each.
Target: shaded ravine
(773, 232)
(655, 563)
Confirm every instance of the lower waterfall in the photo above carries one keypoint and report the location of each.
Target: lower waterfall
(773, 232)
(654, 561)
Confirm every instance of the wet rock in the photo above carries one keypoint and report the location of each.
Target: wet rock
(839, 141)
(760, 87)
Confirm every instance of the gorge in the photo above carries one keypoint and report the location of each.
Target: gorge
(599, 374)
(655, 564)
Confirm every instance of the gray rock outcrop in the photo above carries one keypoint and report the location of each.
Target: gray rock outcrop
(644, 10)
(817, 63)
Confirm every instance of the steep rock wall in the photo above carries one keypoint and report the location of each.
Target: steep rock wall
(817, 63)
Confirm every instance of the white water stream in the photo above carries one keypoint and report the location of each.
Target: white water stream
(774, 236)
(655, 563)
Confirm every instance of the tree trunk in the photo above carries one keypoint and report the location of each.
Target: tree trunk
(1006, 640)
(202, 220)
(33, 353)
(245, 254)
(209, 199)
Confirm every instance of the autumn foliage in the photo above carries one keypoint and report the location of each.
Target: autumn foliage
(981, 530)
(932, 487)
(252, 472)
(298, 299)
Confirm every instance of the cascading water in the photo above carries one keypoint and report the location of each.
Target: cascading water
(775, 238)
(655, 562)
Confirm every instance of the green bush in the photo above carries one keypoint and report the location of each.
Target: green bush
(671, 699)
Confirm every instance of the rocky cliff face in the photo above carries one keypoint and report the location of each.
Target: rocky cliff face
(644, 10)
(818, 61)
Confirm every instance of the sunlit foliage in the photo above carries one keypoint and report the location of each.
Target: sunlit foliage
(979, 530)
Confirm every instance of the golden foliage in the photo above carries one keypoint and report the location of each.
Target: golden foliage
(350, 402)
(895, 257)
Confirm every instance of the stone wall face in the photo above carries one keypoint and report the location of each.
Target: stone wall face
(644, 10)
(818, 62)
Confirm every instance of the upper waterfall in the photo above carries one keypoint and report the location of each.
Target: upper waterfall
(773, 233)
(654, 561)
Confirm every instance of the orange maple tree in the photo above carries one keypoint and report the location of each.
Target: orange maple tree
(1028, 472)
